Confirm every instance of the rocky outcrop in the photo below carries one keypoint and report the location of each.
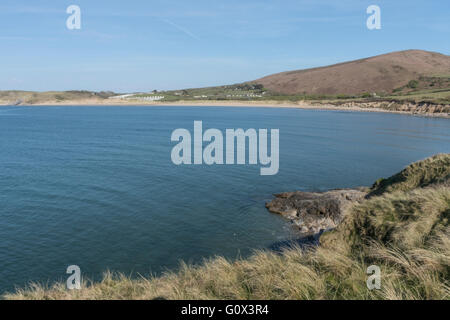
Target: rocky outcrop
(419, 108)
(313, 212)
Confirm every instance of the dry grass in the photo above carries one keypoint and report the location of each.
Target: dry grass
(405, 232)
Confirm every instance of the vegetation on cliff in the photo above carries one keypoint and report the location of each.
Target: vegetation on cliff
(401, 227)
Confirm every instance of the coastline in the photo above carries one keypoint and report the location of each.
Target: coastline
(233, 104)
(372, 231)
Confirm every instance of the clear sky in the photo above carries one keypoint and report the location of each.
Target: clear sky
(141, 45)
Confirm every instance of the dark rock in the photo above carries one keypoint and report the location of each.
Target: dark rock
(314, 212)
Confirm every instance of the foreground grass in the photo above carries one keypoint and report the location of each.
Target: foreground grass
(404, 230)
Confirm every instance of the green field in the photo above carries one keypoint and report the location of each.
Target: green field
(434, 89)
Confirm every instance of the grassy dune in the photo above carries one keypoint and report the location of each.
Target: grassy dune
(402, 227)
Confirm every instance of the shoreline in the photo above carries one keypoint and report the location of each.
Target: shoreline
(233, 104)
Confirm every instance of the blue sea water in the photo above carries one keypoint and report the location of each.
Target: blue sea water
(96, 187)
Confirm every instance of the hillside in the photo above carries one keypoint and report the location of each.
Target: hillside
(380, 74)
(402, 227)
(15, 97)
(412, 81)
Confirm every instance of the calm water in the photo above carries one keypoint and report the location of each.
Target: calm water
(95, 186)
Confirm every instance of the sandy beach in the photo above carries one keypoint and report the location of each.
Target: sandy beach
(235, 104)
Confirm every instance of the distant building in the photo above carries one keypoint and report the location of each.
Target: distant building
(134, 96)
(123, 96)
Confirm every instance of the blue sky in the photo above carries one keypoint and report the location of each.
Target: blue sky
(138, 45)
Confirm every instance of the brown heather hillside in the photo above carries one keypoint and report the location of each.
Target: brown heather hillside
(380, 74)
